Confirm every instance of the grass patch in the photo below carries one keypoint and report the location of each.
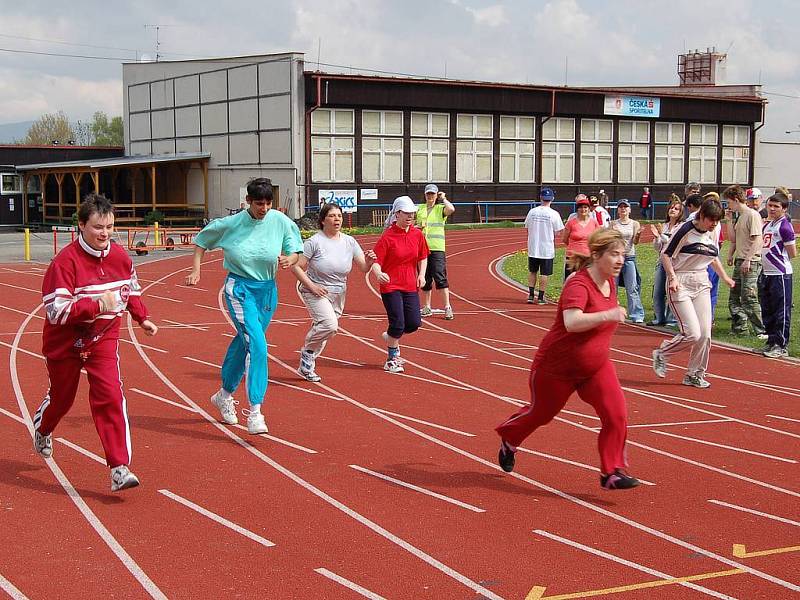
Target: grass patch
(516, 267)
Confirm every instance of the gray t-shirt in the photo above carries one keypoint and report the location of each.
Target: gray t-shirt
(330, 259)
(628, 231)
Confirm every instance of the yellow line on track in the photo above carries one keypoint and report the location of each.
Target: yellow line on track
(739, 551)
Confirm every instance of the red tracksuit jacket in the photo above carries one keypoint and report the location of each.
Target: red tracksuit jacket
(74, 281)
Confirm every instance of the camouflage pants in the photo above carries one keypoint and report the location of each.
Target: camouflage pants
(743, 302)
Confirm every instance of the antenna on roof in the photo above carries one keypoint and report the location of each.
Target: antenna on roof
(158, 41)
(319, 50)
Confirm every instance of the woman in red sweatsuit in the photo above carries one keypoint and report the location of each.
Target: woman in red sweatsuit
(85, 290)
(574, 357)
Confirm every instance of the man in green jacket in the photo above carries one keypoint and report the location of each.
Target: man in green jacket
(431, 218)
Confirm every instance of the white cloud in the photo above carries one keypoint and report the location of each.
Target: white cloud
(493, 16)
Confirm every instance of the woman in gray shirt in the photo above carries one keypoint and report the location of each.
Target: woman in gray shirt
(629, 276)
(328, 256)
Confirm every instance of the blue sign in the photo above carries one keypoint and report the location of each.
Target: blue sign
(632, 106)
(347, 199)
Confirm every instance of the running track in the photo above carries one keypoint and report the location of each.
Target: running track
(385, 486)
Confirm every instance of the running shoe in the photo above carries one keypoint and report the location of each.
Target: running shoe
(393, 366)
(43, 444)
(122, 479)
(542, 301)
(226, 407)
(307, 368)
(426, 311)
(659, 363)
(762, 336)
(531, 299)
(618, 480)
(448, 313)
(506, 458)
(775, 352)
(696, 381)
(256, 423)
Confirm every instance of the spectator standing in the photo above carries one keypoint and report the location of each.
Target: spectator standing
(599, 212)
(431, 218)
(661, 236)
(630, 231)
(646, 204)
(577, 231)
(775, 281)
(542, 223)
(745, 257)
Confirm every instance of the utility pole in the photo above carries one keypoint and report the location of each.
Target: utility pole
(158, 41)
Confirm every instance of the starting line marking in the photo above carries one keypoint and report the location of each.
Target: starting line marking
(725, 446)
(416, 488)
(11, 590)
(739, 551)
(428, 423)
(537, 592)
(216, 518)
(349, 584)
(756, 512)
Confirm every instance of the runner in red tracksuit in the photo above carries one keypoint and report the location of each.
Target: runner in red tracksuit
(85, 290)
(574, 357)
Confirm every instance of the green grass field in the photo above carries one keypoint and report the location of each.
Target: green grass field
(516, 267)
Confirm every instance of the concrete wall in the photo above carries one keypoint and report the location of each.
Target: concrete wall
(777, 163)
(248, 112)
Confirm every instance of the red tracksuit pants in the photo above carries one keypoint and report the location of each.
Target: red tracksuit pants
(549, 394)
(106, 401)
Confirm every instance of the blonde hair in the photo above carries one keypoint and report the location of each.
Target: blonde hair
(713, 195)
(600, 241)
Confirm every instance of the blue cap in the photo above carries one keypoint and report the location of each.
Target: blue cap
(547, 194)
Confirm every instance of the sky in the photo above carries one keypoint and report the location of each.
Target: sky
(577, 42)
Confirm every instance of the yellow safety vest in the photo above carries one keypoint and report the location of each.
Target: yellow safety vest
(431, 221)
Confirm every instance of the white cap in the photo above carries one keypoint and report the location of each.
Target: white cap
(431, 188)
(405, 204)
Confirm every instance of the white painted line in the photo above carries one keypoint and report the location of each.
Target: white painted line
(726, 447)
(338, 360)
(191, 287)
(217, 519)
(630, 564)
(230, 335)
(582, 415)
(458, 387)
(11, 415)
(214, 308)
(20, 312)
(164, 298)
(164, 400)
(153, 348)
(278, 440)
(416, 488)
(83, 451)
(497, 364)
(185, 325)
(28, 352)
(661, 396)
(784, 418)
(349, 584)
(19, 287)
(511, 343)
(572, 462)
(756, 512)
(11, 590)
(428, 423)
(302, 389)
(448, 355)
(282, 322)
(681, 423)
(202, 362)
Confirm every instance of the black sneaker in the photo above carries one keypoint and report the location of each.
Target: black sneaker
(506, 458)
(618, 480)
(531, 299)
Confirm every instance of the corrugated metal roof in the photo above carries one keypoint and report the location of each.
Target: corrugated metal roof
(120, 161)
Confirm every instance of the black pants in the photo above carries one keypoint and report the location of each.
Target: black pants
(402, 308)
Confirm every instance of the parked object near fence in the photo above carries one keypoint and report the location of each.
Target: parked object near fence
(144, 239)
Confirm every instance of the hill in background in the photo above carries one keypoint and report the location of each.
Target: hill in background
(11, 132)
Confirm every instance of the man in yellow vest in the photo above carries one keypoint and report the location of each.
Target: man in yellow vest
(431, 217)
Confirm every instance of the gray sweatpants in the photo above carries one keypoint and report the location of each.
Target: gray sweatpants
(691, 305)
(324, 313)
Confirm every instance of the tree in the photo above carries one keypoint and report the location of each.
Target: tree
(104, 132)
(49, 128)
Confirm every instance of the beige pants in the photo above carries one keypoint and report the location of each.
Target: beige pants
(325, 313)
(691, 305)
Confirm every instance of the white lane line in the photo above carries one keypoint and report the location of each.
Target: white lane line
(661, 395)
(337, 360)
(725, 446)
(202, 362)
(165, 298)
(230, 335)
(428, 423)
(448, 355)
(680, 423)
(302, 389)
(9, 270)
(83, 451)
(630, 564)
(582, 415)
(756, 512)
(571, 462)
(784, 418)
(11, 590)
(217, 519)
(126, 559)
(214, 308)
(19, 287)
(458, 387)
(11, 415)
(282, 322)
(185, 325)
(191, 287)
(510, 343)
(416, 488)
(279, 440)
(164, 400)
(497, 364)
(20, 312)
(153, 348)
(28, 352)
(349, 584)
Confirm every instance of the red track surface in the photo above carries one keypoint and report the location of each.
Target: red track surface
(545, 526)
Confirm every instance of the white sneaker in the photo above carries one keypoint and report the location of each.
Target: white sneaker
(659, 363)
(307, 368)
(762, 336)
(393, 366)
(696, 381)
(226, 406)
(43, 444)
(122, 478)
(256, 423)
(448, 313)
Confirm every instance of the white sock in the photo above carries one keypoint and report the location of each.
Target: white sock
(255, 409)
(225, 394)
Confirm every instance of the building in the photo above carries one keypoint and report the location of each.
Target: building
(363, 140)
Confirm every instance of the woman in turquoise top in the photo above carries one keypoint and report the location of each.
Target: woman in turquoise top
(254, 242)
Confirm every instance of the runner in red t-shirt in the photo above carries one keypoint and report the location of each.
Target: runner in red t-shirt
(574, 357)
(402, 257)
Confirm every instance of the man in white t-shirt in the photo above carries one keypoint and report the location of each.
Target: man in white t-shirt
(542, 223)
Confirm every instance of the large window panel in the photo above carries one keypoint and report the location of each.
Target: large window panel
(670, 133)
(474, 161)
(332, 121)
(596, 130)
(430, 124)
(374, 122)
(735, 135)
(634, 131)
(633, 164)
(703, 134)
(382, 159)
(331, 159)
(474, 126)
(558, 162)
(669, 164)
(517, 161)
(517, 128)
(735, 164)
(703, 164)
(559, 129)
(430, 160)
(596, 160)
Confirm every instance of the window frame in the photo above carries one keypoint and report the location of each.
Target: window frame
(332, 152)
(557, 156)
(381, 153)
(475, 153)
(429, 129)
(382, 131)
(429, 154)
(332, 129)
